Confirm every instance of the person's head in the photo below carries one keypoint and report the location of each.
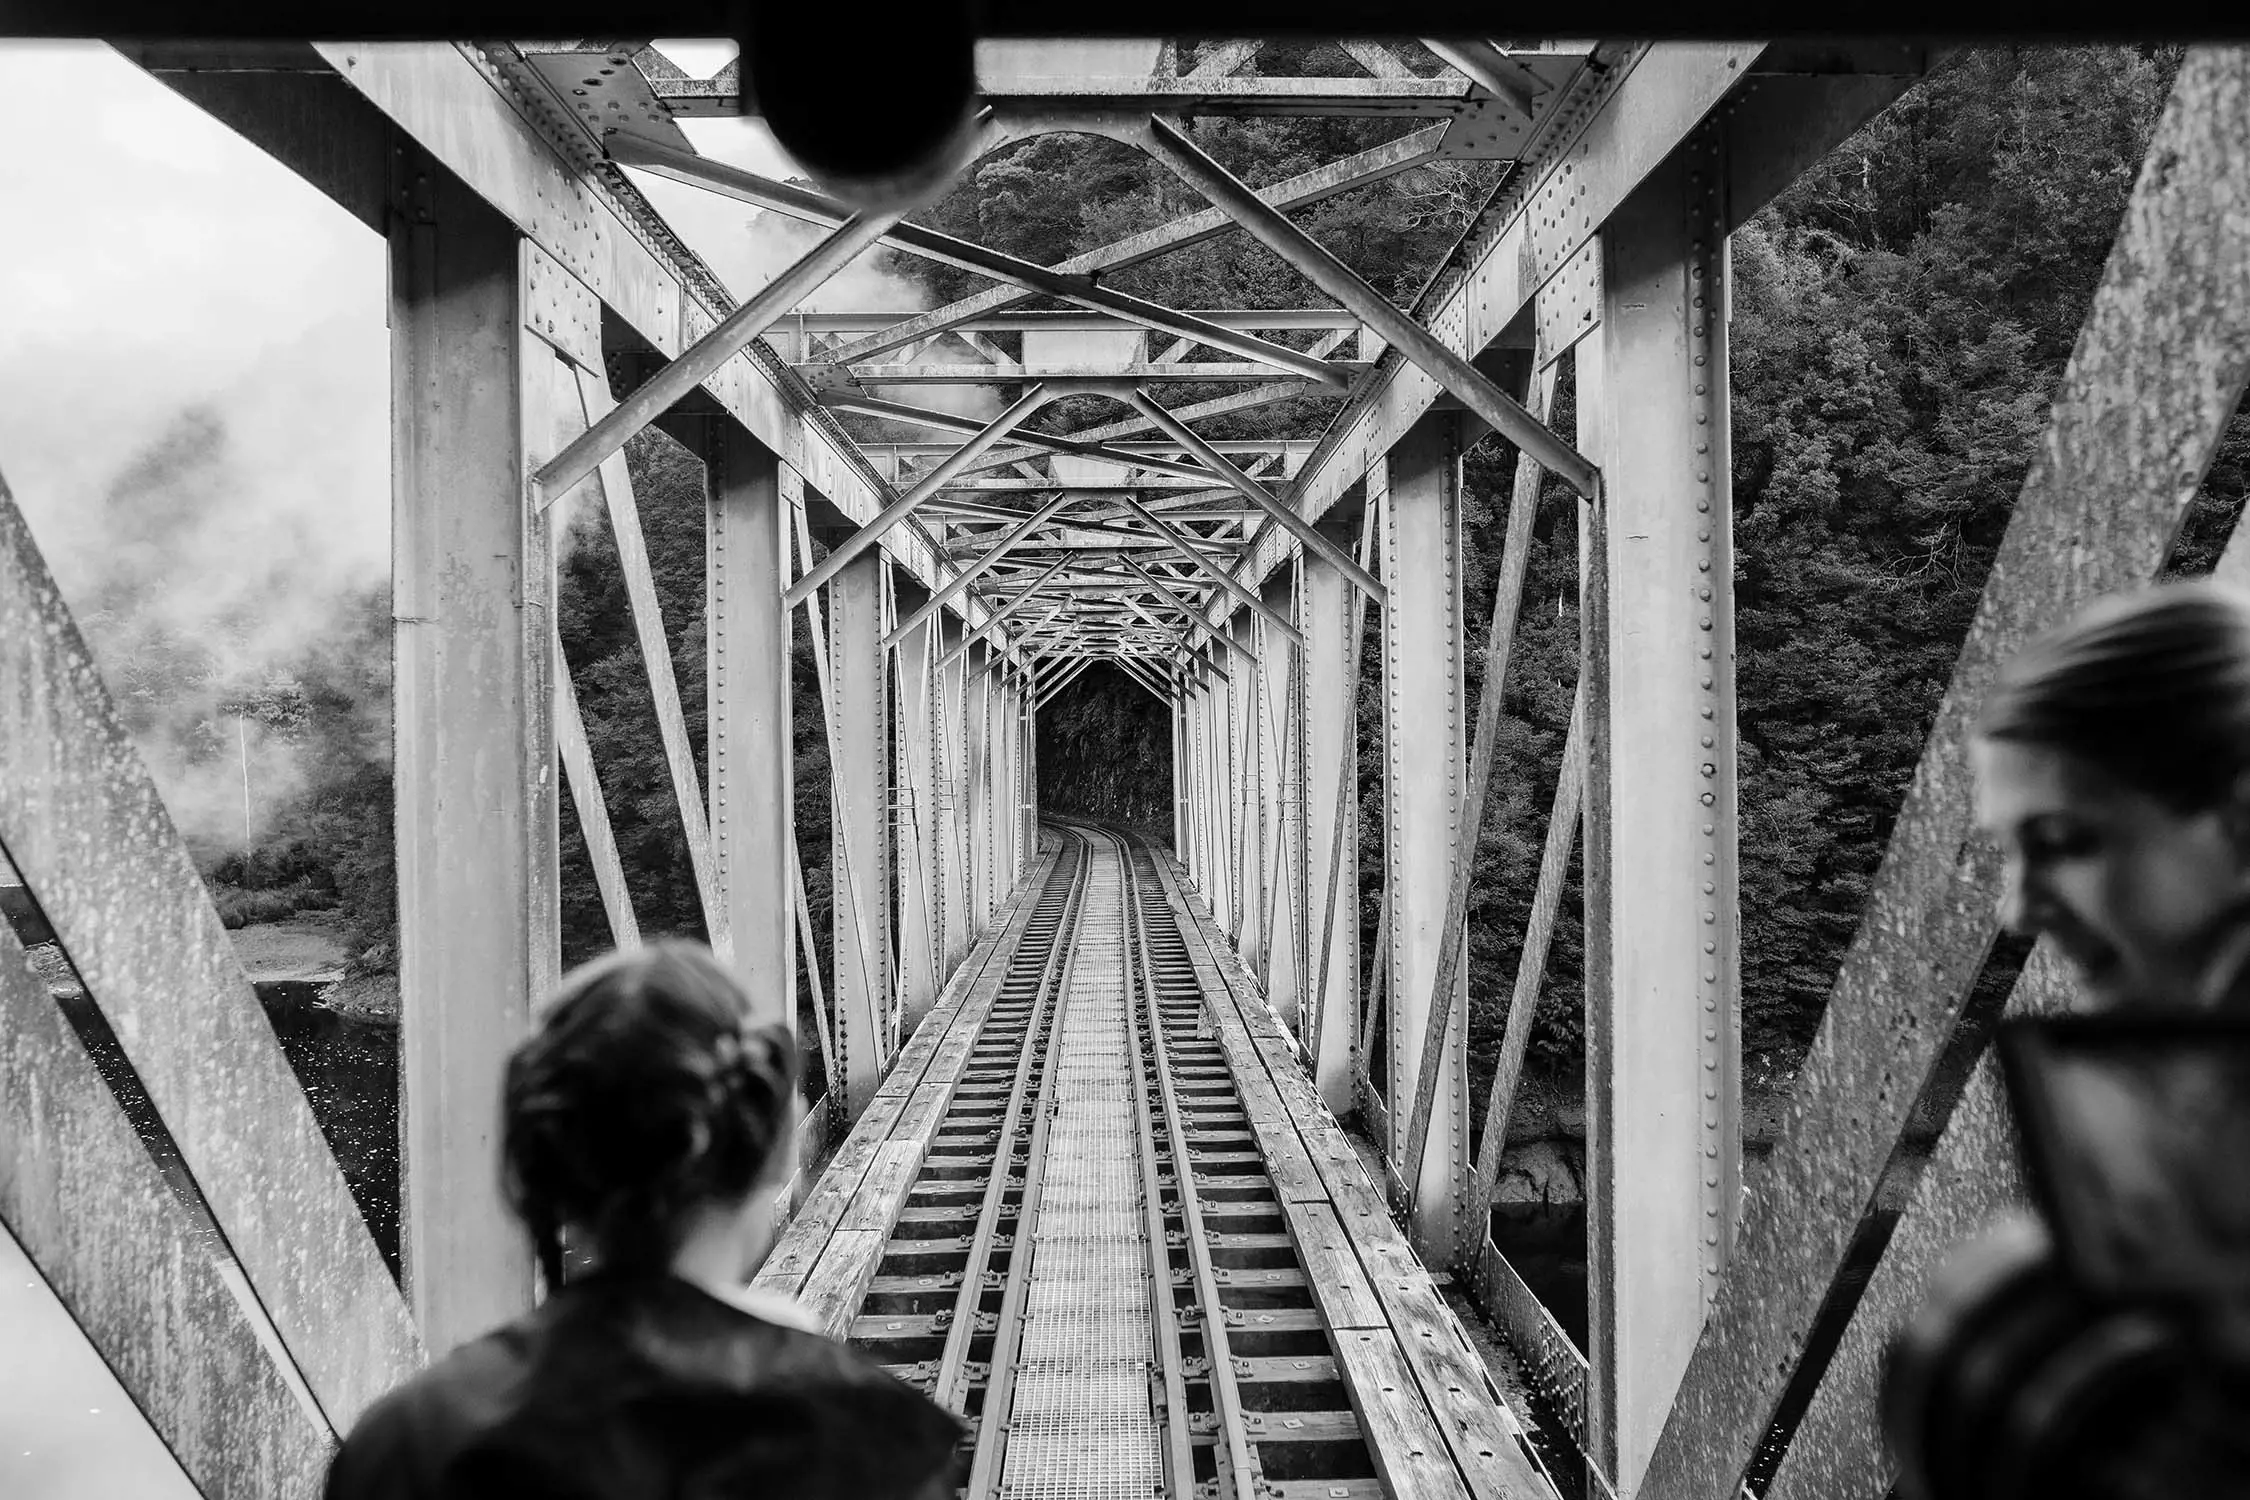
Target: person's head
(642, 1105)
(2112, 762)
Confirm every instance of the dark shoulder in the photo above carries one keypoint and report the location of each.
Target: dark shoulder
(401, 1445)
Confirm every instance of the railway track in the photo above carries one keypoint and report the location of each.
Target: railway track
(1154, 1331)
(1099, 1213)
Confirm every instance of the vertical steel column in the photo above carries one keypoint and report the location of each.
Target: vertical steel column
(1195, 711)
(1217, 826)
(1028, 847)
(951, 702)
(1226, 809)
(1011, 724)
(1278, 901)
(477, 404)
(1331, 741)
(920, 941)
(749, 712)
(977, 745)
(1423, 734)
(1180, 776)
(860, 774)
(1664, 1139)
(1248, 802)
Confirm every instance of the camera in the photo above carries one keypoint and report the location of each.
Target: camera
(2101, 1346)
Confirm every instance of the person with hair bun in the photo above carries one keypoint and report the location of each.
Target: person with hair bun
(2112, 761)
(642, 1134)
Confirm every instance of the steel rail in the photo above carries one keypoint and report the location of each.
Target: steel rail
(1007, 1340)
(1241, 1470)
(951, 1389)
(1170, 1373)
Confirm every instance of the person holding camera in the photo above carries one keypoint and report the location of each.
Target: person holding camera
(2103, 1348)
(643, 1127)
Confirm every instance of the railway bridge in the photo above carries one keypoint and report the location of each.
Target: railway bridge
(1144, 1156)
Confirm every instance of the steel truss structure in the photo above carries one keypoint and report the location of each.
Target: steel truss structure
(543, 313)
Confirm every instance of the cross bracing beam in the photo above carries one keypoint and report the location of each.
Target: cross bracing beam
(1174, 482)
(703, 359)
(904, 506)
(749, 187)
(1370, 166)
(1254, 492)
(1057, 321)
(1332, 372)
(464, 105)
(1000, 614)
(969, 574)
(1618, 122)
(1073, 447)
(1433, 355)
(1285, 448)
(1213, 571)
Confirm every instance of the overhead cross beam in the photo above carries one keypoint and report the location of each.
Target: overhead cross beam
(899, 509)
(1283, 516)
(749, 187)
(1170, 145)
(699, 362)
(1370, 166)
(1217, 574)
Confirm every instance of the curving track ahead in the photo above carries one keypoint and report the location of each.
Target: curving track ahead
(1010, 1227)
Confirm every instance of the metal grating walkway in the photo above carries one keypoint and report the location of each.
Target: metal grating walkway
(1081, 1425)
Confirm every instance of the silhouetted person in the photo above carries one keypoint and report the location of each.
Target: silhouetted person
(643, 1124)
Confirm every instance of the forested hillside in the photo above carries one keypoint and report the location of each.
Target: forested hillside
(1900, 317)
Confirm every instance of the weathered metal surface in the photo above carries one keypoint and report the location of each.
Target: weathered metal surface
(2159, 366)
(1837, 1451)
(1338, 633)
(84, 826)
(748, 713)
(476, 400)
(1424, 733)
(859, 770)
(1218, 575)
(1507, 596)
(975, 568)
(1551, 1363)
(79, 1193)
(1662, 1112)
(1596, 775)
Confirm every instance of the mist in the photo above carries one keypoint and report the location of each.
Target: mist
(194, 417)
